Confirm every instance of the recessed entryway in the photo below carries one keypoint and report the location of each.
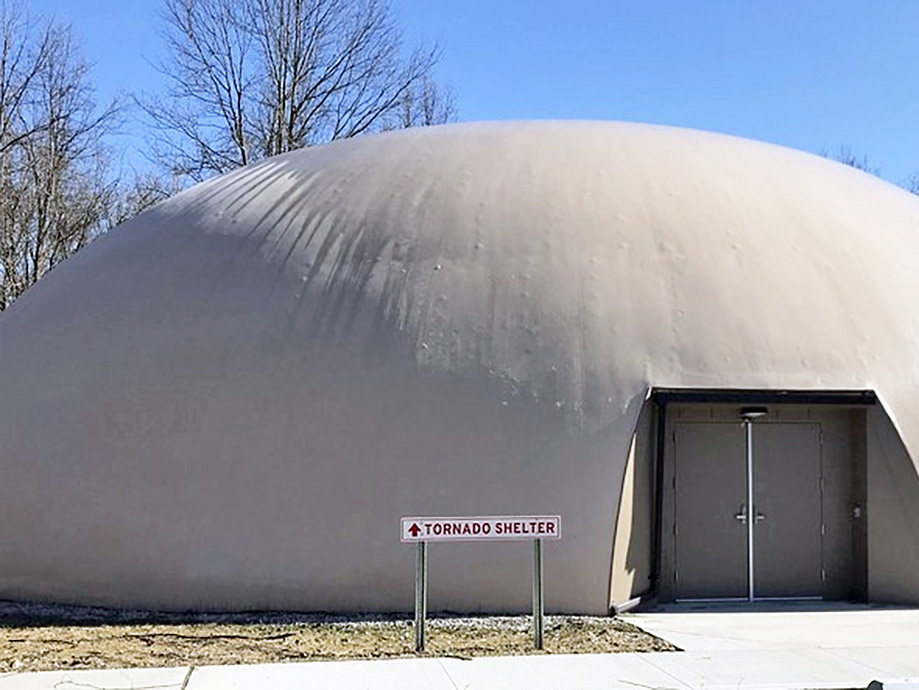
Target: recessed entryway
(763, 507)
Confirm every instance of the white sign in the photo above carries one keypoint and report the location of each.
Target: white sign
(415, 529)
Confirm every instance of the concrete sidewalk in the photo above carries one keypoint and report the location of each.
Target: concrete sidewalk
(841, 668)
(710, 629)
(742, 649)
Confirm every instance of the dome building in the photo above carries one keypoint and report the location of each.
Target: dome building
(229, 401)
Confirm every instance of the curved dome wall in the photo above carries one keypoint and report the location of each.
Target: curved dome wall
(229, 401)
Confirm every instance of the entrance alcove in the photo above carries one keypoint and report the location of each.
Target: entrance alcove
(835, 510)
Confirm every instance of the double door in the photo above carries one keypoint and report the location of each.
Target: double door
(724, 550)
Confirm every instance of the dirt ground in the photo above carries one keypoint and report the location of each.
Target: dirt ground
(37, 637)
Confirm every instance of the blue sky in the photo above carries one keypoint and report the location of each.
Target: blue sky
(810, 74)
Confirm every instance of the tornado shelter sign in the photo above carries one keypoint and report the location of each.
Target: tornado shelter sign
(488, 528)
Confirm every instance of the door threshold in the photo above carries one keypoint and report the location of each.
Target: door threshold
(745, 600)
(788, 599)
(713, 600)
(788, 605)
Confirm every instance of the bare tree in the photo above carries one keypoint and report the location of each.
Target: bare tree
(846, 156)
(54, 183)
(137, 194)
(427, 104)
(254, 78)
(912, 184)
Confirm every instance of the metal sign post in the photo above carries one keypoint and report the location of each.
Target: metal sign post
(421, 530)
(421, 594)
(538, 594)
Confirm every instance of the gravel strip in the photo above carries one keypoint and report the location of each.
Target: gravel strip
(42, 637)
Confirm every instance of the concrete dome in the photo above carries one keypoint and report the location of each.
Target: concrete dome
(230, 400)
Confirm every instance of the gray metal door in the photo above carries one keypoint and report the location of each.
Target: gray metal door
(786, 489)
(710, 486)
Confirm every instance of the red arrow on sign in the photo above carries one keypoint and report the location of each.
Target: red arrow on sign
(414, 530)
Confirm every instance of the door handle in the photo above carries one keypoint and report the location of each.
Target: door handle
(741, 516)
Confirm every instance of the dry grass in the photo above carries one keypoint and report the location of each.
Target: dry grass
(37, 638)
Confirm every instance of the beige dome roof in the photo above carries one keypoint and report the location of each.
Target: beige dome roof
(456, 319)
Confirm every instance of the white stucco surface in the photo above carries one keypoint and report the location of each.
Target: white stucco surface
(229, 401)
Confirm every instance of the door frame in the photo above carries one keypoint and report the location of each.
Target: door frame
(664, 400)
